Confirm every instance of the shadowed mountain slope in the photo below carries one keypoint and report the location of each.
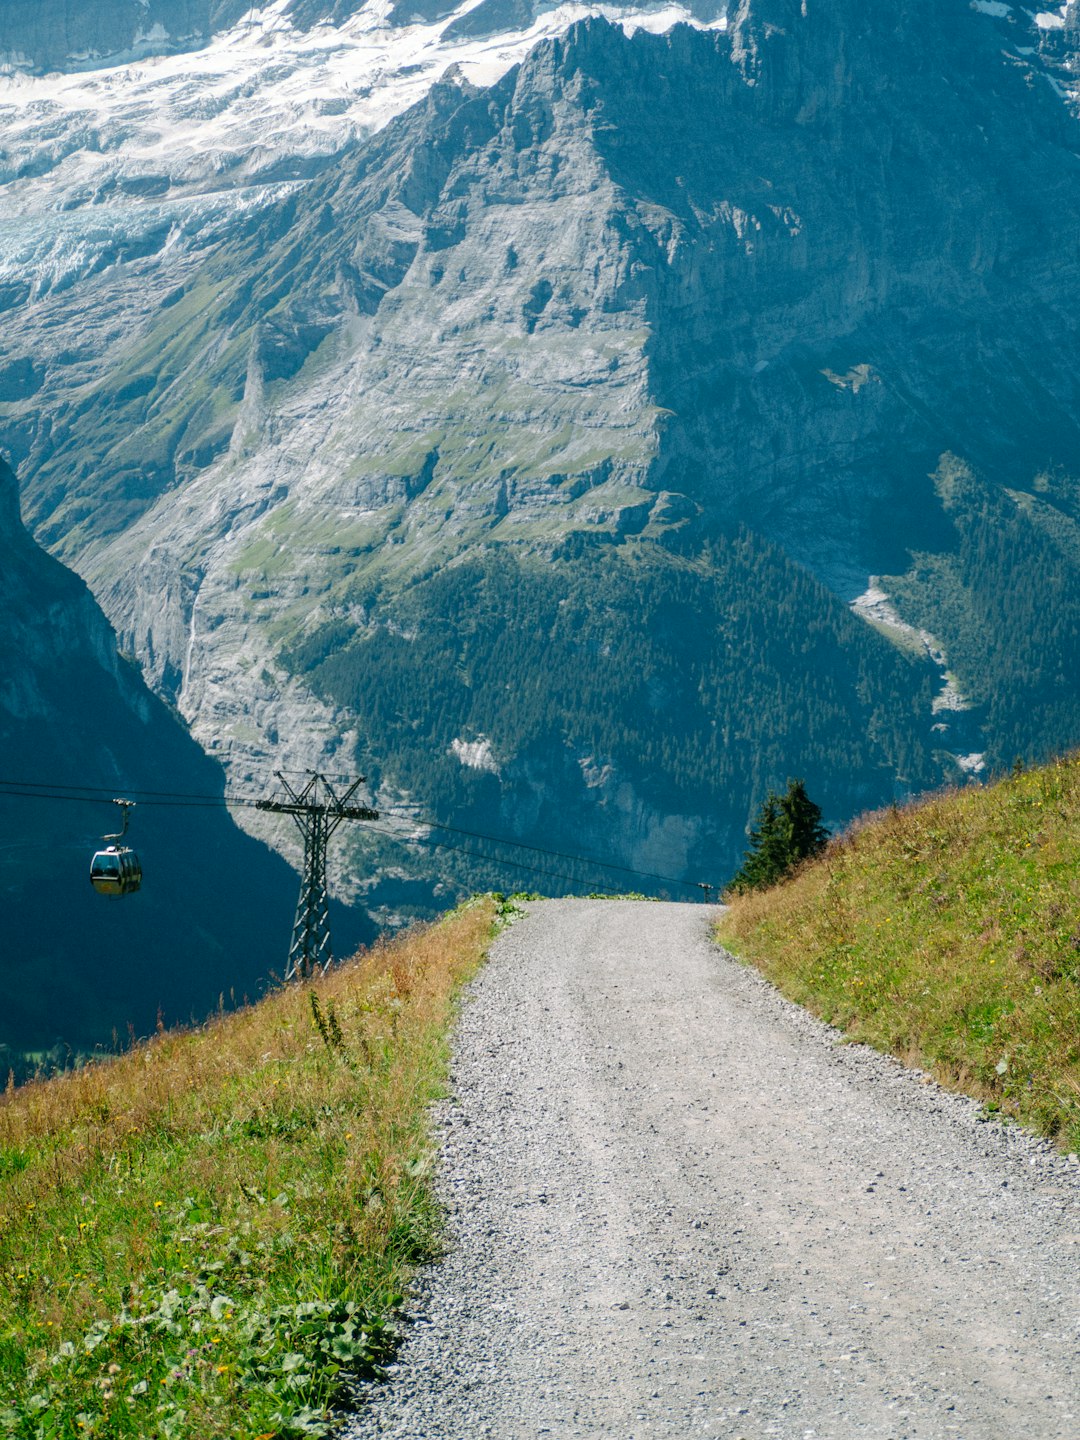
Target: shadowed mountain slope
(214, 914)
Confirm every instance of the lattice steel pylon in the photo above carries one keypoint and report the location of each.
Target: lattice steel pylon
(317, 818)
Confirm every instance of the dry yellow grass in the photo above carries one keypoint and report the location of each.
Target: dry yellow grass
(202, 1237)
(947, 932)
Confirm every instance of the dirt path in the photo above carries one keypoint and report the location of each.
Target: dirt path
(680, 1208)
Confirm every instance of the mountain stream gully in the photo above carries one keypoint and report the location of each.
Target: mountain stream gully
(679, 1206)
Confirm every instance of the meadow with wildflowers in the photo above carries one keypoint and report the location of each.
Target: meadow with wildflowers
(946, 932)
(206, 1236)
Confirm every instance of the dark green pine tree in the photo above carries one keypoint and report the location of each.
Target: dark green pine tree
(806, 834)
(789, 829)
(765, 861)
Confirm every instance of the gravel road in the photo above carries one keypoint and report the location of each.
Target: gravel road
(680, 1207)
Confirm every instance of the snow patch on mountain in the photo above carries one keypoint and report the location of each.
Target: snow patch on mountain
(877, 609)
(475, 754)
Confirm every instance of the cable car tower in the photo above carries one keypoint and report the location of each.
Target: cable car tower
(317, 817)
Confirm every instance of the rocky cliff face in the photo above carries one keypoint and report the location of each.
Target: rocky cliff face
(214, 915)
(66, 36)
(643, 291)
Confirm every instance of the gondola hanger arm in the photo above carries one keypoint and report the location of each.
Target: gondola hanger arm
(126, 806)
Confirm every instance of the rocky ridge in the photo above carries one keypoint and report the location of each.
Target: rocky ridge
(55, 36)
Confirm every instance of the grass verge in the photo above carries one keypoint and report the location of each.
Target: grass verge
(948, 933)
(205, 1236)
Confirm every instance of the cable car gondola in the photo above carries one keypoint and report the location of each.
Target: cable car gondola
(116, 869)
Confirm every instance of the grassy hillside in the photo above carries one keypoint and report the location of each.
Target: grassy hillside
(203, 1237)
(948, 933)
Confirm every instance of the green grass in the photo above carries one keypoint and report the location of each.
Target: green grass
(206, 1236)
(948, 933)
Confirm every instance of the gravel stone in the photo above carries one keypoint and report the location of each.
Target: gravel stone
(679, 1206)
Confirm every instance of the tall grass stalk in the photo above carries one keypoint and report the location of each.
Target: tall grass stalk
(204, 1237)
(946, 932)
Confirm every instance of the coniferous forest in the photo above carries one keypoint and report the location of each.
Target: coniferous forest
(1004, 599)
(689, 684)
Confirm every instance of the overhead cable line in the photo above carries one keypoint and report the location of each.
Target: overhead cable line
(171, 799)
(36, 790)
(199, 802)
(559, 854)
(497, 860)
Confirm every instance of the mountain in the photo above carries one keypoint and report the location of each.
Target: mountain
(213, 917)
(595, 448)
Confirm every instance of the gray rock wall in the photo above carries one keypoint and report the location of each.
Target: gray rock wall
(85, 34)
